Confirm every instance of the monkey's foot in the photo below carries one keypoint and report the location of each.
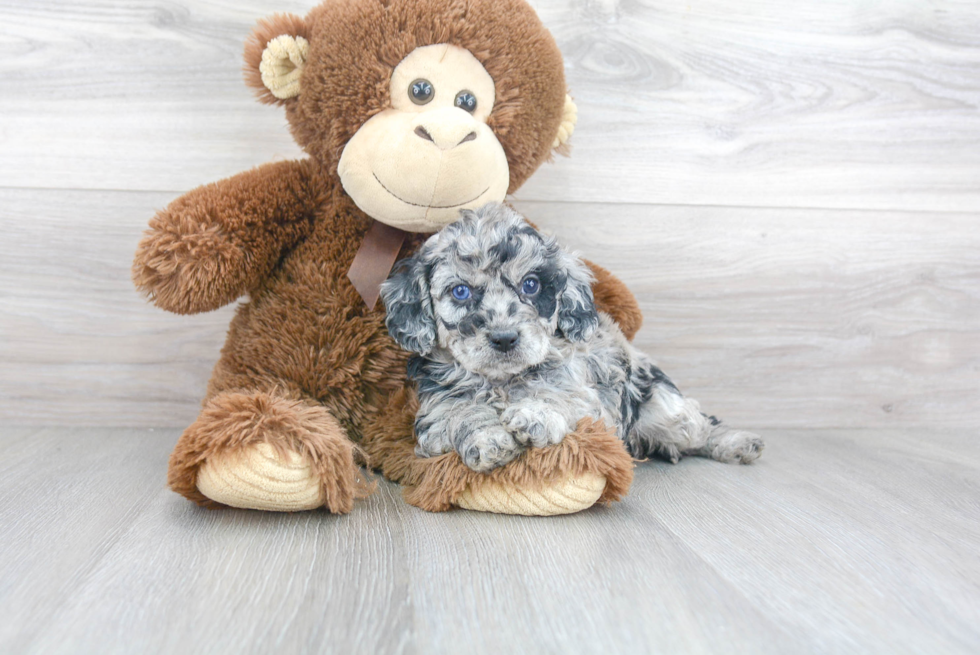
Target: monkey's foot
(589, 466)
(566, 496)
(256, 450)
(257, 477)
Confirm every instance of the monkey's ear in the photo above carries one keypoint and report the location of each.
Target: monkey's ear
(569, 116)
(411, 319)
(275, 53)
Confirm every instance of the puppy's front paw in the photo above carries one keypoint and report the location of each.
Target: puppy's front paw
(487, 448)
(432, 443)
(535, 424)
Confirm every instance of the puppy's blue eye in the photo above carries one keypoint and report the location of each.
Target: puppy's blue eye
(530, 285)
(461, 292)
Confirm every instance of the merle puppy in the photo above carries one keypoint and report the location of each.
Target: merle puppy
(512, 352)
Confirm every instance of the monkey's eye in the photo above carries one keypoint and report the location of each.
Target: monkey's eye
(421, 91)
(530, 285)
(461, 292)
(466, 100)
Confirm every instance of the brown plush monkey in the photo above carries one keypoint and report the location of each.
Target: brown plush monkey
(409, 110)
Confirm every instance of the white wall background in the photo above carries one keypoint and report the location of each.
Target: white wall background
(792, 190)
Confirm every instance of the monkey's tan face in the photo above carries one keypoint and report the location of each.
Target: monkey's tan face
(416, 164)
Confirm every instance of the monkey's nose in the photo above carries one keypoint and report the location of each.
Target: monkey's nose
(446, 128)
(503, 340)
(443, 143)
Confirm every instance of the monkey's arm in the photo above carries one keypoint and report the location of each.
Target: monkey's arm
(613, 298)
(217, 242)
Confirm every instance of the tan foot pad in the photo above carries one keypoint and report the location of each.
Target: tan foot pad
(573, 494)
(259, 478)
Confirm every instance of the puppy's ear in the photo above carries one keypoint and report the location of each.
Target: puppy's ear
(577, 315)
(411, 320)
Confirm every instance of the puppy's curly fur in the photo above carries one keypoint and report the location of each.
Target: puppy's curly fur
(511, 352)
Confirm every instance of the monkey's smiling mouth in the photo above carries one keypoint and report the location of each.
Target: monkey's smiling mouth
(415, 204)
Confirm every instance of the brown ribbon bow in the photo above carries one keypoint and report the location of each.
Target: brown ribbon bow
(374, 260)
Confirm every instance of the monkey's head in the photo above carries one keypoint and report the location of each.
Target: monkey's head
(422, 107)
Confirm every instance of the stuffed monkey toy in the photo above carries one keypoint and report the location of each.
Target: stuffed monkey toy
(409, 111)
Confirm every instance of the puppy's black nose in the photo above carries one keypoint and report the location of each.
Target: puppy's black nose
(503, 340)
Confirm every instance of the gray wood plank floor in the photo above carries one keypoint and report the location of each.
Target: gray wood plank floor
(854, 541)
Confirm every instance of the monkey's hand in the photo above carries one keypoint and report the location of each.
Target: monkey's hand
(613, 297)
(219, 241)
